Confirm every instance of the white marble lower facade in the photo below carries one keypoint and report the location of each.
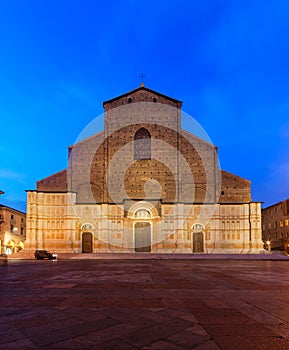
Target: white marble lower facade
(55, 222)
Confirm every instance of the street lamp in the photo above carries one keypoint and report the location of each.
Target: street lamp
(268, 246)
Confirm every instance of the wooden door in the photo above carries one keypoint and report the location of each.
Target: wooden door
(86, 242)
(198, 242)
(142, 237)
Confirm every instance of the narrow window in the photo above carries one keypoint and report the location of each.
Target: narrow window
(142, 144)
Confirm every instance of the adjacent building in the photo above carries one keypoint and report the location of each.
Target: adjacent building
(143, 184)
(275, 226)
(12, 230)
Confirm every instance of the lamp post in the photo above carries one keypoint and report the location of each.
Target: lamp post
(268, 246)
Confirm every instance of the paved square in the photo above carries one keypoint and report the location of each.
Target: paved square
(145, 304)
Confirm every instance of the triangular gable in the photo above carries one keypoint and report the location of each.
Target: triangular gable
(141, 94)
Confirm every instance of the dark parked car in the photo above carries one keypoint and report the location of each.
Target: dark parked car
(44, 254)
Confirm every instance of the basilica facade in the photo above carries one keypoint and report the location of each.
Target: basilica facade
(143, 184)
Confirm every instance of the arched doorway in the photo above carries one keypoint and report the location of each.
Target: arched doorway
(198, 242)
(86, 242)
(10, 247)
(20, 246)
(142, 237)
(198, 238)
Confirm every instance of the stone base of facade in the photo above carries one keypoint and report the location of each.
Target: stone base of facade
(68, 227)
(111, 249)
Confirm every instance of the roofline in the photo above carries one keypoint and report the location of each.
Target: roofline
(7, 206)
(273, 205)
(143, 88)
(198, 138)
(58, 172)
(239, 177)
(41, 191)
(85, 139)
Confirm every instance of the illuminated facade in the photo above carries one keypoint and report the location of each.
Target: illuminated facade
(143, 184)
(12, 230)
(275, 226)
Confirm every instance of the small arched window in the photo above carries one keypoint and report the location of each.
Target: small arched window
(142, 144)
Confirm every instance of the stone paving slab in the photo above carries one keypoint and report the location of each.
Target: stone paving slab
(148, 304)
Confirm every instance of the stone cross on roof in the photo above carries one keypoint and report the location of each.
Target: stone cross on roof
(142, 76)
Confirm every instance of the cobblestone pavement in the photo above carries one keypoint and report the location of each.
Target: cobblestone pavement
(145, 304)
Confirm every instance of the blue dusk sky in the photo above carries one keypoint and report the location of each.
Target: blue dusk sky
(227, 60)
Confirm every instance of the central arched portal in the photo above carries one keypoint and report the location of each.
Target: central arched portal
(86, 242)
(198, 242)
(142, 237)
